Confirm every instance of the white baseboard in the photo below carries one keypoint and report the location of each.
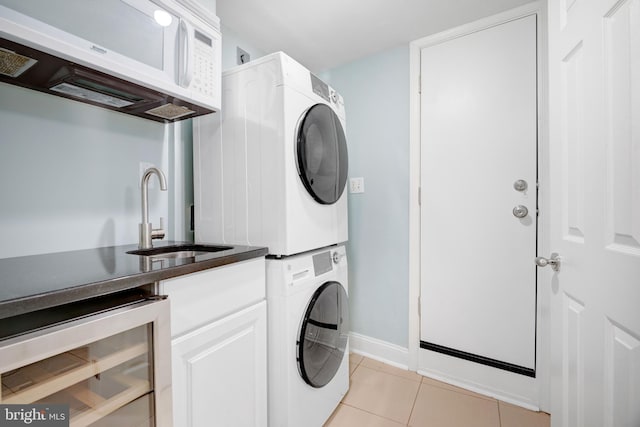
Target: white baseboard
(376, 349)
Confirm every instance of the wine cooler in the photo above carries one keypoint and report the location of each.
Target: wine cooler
(112, 368)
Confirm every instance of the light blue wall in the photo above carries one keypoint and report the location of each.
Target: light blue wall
(376, 94)
(69, 173)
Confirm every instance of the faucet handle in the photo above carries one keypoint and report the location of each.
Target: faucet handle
(158, 233)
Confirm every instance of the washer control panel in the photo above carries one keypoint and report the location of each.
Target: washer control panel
(322, 263)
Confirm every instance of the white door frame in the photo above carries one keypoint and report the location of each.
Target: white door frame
(543, 296)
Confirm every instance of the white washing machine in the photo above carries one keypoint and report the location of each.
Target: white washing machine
(271, 168)
(308, 325)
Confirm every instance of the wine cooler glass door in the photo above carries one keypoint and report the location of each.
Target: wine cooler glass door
(107, 369)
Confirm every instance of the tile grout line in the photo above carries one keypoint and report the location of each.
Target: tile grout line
(391, 373)
(415, 399)
(358, 365)
(371, 413)
(468, 393)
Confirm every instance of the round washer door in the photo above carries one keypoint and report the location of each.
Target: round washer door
(322, 154)
(322, 340)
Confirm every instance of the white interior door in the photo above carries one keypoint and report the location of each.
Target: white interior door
(478, 138)
(594, 83)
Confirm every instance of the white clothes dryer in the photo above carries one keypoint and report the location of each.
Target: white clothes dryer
(308, 325)
(271, 168)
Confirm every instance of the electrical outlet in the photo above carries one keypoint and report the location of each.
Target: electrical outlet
(356, 185)
(242, 56)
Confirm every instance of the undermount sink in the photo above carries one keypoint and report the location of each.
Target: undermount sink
(179, 251)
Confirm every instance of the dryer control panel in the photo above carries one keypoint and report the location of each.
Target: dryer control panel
(320, 88)
(325, 91)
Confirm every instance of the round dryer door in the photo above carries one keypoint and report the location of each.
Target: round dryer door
(322, 154)
(323, 335)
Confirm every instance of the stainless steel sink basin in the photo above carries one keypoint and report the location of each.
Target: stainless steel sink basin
(179, 251)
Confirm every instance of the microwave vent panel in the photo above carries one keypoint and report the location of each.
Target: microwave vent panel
(90, 95)
(13, 64)
(170, 111)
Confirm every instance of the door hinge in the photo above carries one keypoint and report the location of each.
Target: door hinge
(419, 196)
(419, 308)
(420, 84)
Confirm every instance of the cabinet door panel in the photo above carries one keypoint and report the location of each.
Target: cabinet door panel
(220, 372)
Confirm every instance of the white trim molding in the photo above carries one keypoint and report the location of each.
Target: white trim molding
(479, 25)
(527, 392)
(379, 350)
(414, 205)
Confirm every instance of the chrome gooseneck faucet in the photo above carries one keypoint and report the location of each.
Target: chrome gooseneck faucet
(146, 232)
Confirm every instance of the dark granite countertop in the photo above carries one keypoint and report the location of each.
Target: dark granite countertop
(36, 282)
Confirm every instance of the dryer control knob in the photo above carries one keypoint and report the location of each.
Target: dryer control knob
(334, 97)
(337, 257)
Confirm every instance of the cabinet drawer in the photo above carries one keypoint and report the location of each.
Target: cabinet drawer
(202, 297)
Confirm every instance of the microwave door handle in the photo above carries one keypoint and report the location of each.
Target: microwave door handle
(186, 62)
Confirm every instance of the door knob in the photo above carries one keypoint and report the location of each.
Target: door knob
(553, 261)
(520, 211)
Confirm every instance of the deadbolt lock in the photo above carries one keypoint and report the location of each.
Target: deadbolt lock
(520, 211)
(520, 185)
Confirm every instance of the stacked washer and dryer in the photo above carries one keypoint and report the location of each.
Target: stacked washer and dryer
(271, 170)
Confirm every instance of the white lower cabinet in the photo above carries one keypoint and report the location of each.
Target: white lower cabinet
(219, 372)
(219, 354)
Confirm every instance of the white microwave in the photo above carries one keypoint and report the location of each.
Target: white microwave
(154, 59)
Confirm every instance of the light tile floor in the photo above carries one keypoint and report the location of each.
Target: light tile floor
(385, 396)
